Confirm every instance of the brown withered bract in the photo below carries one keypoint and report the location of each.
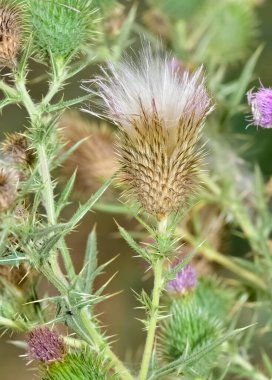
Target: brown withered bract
(15, 148)
(9, 179)
(94, 159)
(10, 33)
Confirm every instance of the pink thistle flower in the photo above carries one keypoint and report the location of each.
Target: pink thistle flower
(261, 106)
(186, 279)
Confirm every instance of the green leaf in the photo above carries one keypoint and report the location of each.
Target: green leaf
(82, 210)
(68, 153)
(63, 199)
(22, 65)
(142, 252)
(90, 264)
(13, 259)
(112, 208)
(180, 364)
(172, 274)
(245, 78)
(67, 103)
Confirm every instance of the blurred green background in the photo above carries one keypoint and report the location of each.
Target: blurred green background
(118, 313)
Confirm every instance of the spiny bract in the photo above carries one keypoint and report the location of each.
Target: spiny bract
(61, 28)
(11, 31)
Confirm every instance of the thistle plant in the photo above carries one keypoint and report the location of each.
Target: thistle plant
(164, 117)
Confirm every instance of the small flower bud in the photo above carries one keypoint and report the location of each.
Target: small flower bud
(185, 280)
(45, 345)
(10, 33)
(62, 28)
(261, 107)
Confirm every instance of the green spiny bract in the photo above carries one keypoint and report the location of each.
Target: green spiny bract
(214, 297)
(61, 28)
(230, 33)
(78, 366)
(188, 330)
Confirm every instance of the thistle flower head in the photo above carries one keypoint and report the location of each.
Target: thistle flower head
(160, 114)
(45, 345)
(79, 365)
(261, 106)
(11, 32)
(9, 179)
(61, 28)
(94, 159)
(185, 280)
(15, 148)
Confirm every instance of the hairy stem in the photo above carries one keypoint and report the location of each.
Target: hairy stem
(49, 204)
(152, 325)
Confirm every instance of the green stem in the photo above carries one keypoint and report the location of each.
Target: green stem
(102, 345)
(48, 196)
(212, 255)
(49, 204)
(26, 99)
(152, 325)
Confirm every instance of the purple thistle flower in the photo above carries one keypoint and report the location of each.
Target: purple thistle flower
(185, 280)
(261, 106)
(45, 345)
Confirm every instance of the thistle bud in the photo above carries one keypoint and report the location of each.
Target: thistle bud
(45, 345)
(61, 28)
(15, 149)
(160, 115)
(94, 159)
(81, 365)
(9, 179)
(261, 106)
(11, 32)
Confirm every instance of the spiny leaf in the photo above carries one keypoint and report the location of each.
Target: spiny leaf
(64, 197)
(132, 243)
(82, 210)
(13, 259)
(90, 264)
(180, 364)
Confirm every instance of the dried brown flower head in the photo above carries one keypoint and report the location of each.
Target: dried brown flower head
(160, 114)
(9, 179)
(15, 148)
(11, 32)
(94, 159)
